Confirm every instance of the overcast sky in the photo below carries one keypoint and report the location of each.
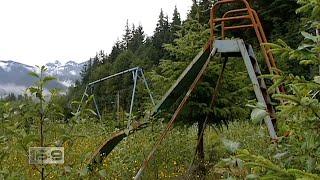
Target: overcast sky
(40, 31)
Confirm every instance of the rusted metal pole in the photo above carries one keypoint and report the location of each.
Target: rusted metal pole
(238, 27)
(234, 18)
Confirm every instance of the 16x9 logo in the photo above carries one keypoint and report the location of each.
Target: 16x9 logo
(46, 155)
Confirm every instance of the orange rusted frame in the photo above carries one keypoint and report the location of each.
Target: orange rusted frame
(238, 27)
(235, 11)
(231, 18)
(245, 13)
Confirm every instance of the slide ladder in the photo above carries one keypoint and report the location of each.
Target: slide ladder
(262, 85)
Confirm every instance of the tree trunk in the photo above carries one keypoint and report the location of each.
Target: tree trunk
(200, 151)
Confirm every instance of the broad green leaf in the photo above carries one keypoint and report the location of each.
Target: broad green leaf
(309, 36)
(260, 105)
(303, 46)
(231, 146)
(257, 115)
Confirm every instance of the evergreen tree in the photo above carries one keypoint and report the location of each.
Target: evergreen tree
(162, 30)
(280, 20)
(204, 11)
(147, 54)
(200, 11)
(190, 39)
(116, 50)
(161, 36)
(137, 39)
(127, 36)
(194, 13)
(175, 24)
(98, 59)
(86, 72)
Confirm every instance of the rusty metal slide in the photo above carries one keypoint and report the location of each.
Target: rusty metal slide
(178, 89)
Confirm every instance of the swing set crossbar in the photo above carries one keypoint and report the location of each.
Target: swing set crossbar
(135, 73)
(114, 75)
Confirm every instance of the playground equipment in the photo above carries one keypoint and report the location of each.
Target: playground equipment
(191, 76)
(137, 72)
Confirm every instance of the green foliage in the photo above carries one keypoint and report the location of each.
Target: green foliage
(190, 39)
(249, 166)
(258, 113)
(299, 114)
(306, 53)
(279, 20)
(310, 9)
(200, 11)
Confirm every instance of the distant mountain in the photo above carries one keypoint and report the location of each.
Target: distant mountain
(66, 73)
(14, 76)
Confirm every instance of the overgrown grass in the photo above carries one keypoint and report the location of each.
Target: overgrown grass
(171, 161)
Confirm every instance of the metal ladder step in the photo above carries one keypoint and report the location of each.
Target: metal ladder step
(262, 84)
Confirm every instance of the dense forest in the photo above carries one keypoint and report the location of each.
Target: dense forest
(234, 145)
